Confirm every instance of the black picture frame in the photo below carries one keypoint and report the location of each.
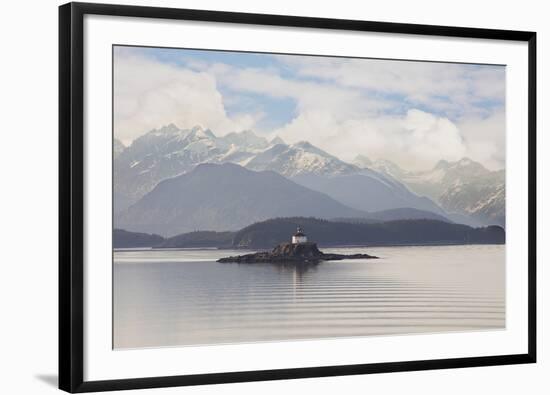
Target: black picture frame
(71, 203)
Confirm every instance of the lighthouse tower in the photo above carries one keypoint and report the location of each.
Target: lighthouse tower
(299, 237)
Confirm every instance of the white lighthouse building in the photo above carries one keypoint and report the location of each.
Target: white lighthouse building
(299, 237)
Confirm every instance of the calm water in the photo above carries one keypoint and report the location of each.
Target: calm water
(168, 298)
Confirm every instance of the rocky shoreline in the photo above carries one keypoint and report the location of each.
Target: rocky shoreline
(292, 253)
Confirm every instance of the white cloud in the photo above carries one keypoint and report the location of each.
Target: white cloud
(338, 116)
(485, 138)
(413, 113)
(442, 86)
(149, 94)
(343, 102)
(415, 141)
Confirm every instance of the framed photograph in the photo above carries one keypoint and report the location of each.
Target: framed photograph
(251, 197)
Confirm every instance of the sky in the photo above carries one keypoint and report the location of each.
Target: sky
(412, 113)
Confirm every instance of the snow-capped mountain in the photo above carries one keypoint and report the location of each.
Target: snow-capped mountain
(445, 175)
(161, 154)
(245, 140)
(464, 187)
(277, 140)
(169, 152)
(483, 199)
(300, 158)
(380, 165)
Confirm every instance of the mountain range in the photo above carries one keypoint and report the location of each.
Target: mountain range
(225, 197)
(157, 184)
(171, 151)
(465, 189)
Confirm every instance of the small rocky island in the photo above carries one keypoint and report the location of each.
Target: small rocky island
(297, 251)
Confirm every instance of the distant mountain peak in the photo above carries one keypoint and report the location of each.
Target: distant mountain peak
(170, 127)
(245, 139)
(308, 147)
(387, 167)
(467, 162)
(277, 140)
(170, 131)
(463, 162)
(442, 164)
(303, 144)
(201, 133)
(167, 129)
(468, 166)
(299, 158)
(248, 133)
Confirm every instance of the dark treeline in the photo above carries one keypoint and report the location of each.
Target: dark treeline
(124, 239)
(200, 239)
(267, 234)
(422, 231)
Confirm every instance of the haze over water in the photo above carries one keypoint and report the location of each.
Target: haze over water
(184, 297)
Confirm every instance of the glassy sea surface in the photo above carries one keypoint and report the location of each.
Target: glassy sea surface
(184, 297)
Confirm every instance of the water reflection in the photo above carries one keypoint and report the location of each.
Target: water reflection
(297, 270)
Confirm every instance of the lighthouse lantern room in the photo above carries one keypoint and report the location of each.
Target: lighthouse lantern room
(299, 237)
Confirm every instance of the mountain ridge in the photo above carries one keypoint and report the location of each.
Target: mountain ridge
(169, 152)
(463, 191)
(224, 197)
(462, 188)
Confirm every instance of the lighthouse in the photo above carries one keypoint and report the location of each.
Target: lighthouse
(299, 237)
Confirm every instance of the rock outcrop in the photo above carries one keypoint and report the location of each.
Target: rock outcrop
(292, 253)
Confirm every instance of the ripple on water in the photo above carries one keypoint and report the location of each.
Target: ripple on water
(169, 298)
